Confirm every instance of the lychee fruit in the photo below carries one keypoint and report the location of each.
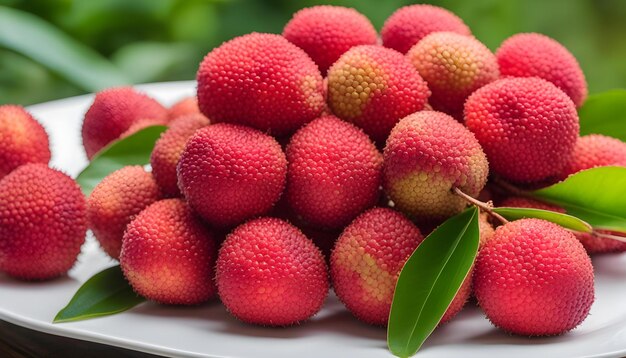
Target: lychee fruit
(427, 155)
(325, 32)
(262, 81)
(168, 254)
(168, 149)
(185, 106)
(141, 124)
(374, 87)
(533, 278)
(409, 24)
(115, 201)
(43, 221)
(595, 150)
(269, 273)
(485, 229)
(230, 173)
(454, 66)
(527, 127)
(112, 112)
(334, 174)
(537, 55)
(22, 139)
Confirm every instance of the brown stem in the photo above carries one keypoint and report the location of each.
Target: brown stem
(509, 187)
(487, 207)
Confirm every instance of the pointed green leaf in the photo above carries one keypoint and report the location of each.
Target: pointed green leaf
(566, 221)
(38, 40)
(106, 293)
(132, 150)
(597, 196)
(604, 113)
(429, 281)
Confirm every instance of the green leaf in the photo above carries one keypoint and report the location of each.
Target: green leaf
(429, 281)
(150, 61)
(597, 196)
(566, 221)
(104, 294)
(604, 113)
(34, 38)
(132, 150)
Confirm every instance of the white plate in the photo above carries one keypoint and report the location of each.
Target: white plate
(208, 331)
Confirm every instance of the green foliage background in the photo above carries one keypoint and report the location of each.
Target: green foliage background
(163, 40)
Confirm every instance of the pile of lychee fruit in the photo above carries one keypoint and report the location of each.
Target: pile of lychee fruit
(323, 157)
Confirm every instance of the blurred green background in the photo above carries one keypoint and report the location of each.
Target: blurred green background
(57, 48)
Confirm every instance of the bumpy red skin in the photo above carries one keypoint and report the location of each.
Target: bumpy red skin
(427, 154)
(43, 221)
(186, 106)
(115, 201)
(334, 174)
(527, 127)
(592, 243)
(537, 55)
(140, 125)
(374, 87)
(168, 149)
(112, 113)
(168, 254)
(231, 173)
(262, 81)
(533, 278)
(268, 273)
(454, 66)
(595, 150)
(22, 139)
(325, 32)
(409, 24)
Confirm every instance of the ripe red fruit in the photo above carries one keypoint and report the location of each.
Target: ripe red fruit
(230, 173)
(454, 66)
(374, 87)
(43, 222)
(262, 81)
(537, 55)
(115, 201)
(168, 254)
(595, 150)
(325, 32)
(409, 24)
(527, 127)
(112, 113)
(186, 106)
(269, 273)
(335, 172)
(22, 139)
(427, 155)
(168, 149)
(534, 278)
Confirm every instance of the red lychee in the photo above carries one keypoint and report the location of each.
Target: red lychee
(595, 150)
(185, 106)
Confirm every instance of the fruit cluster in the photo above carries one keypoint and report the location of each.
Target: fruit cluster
(321, 157)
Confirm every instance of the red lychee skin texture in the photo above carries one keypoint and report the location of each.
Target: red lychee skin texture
(427, 155)
(142, 124)
(22, 139)
(168, 149)
(592, 243)
(374, 87)
(409, 24)
(485, 229)
(269, 273)
(326, 32)
(186, 106)
(527, 127)
(113, 111)
(115, 201)
(536, 55)
(454, 66)
(334, 174)
(168, 254)
(262, 81)
(533, 278)
(595, 150)
(231, 173)
(43, 221)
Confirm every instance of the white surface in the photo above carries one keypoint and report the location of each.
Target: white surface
(208, 331)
